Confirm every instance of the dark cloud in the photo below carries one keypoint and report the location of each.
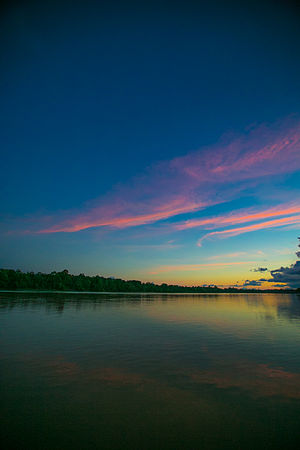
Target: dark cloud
(298, 253)
(252, 283)
(288, 275)
(260, 269)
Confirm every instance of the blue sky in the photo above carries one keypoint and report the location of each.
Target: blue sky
(123, 121)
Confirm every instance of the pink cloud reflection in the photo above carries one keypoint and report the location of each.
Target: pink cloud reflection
(261, 380)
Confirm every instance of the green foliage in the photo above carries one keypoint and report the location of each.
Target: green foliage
(64, 281)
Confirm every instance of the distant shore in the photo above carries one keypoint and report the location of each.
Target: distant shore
(221, 291)
(59, 282)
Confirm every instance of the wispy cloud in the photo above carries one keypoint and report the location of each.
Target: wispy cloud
(195, 267)
(240, 217)
(228, 255)
(258, 226)
(236, 255)
(189, 183)
(111, 218)
(283, 251)
(159, 247)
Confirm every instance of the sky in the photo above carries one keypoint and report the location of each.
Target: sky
(157, 141)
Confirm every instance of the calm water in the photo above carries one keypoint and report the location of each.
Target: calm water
(143, 371)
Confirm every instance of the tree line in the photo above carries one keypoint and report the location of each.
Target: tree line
(64, 281)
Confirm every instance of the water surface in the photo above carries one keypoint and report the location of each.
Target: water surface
(138, 371)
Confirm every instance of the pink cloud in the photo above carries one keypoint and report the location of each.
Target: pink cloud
(261, 152)
(232, 219)
(258, 226)
(188, 183)
(178, 206)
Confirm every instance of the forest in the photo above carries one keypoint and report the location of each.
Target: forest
(64, 281)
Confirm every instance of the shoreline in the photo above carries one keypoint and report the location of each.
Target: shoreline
(33, 291)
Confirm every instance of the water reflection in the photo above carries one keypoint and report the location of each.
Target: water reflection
(150, 371)
(287, 305)
(56, 302)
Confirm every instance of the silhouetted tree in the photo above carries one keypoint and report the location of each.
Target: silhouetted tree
(64, 281)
